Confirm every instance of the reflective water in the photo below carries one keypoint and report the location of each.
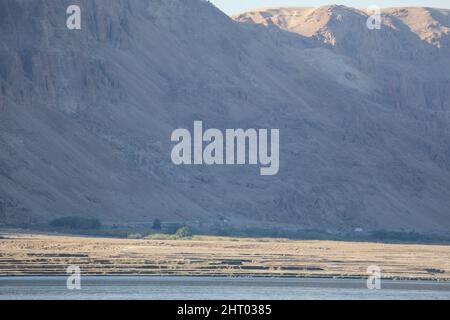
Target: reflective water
(200, 288)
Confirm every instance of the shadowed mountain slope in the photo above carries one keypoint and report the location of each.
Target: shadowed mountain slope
(86, 116)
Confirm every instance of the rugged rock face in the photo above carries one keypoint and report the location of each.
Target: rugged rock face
(408, 57)
(86, 116)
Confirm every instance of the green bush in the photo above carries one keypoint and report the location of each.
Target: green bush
(160, 236)
(76, 223)
(183, 232)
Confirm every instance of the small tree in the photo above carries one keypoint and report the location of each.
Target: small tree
(184, 232)
(157, 224)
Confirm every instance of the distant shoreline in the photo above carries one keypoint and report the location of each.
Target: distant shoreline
(275, 234)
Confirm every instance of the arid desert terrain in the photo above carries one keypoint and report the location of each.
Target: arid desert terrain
(26, 254)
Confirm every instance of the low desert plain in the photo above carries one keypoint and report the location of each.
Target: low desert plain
(34, 254)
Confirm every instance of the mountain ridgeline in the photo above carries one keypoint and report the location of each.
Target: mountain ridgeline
(86, 115)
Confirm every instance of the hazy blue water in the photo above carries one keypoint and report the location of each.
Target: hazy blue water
(192, 288)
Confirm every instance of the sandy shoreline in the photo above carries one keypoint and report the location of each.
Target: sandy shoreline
(48, 255)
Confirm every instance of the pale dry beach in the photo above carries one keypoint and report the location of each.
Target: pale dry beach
(26, 254)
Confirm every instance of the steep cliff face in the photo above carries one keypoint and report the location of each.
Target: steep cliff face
(86, 115)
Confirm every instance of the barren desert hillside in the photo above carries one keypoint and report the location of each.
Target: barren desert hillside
(86, 115)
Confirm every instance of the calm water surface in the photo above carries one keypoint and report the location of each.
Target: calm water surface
(200, 288)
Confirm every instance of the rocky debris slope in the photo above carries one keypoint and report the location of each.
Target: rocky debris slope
(86, 116)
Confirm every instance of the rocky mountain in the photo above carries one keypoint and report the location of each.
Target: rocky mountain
(408, 56)
(86, 115)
